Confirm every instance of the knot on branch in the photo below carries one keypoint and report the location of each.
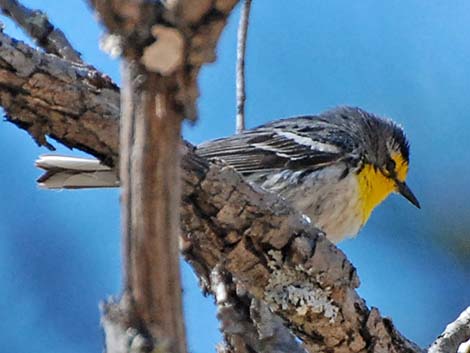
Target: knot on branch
(165, 55)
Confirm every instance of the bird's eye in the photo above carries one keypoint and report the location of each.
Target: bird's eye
(391, 165)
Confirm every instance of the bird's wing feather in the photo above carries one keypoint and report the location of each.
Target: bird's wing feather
(286, 144)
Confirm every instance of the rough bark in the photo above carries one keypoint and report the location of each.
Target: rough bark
(281, 260)
(248, 324)
(48, 96)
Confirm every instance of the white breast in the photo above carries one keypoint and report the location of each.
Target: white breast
(330, 202)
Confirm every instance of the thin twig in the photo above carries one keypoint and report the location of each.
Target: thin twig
(241, 49)
(41, 30)
(455, 334)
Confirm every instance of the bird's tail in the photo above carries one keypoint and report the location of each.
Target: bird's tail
(63, 172)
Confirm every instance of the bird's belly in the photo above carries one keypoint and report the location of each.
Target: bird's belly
(331, 202)
(333, 207)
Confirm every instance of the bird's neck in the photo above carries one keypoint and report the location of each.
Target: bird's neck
(374, 187)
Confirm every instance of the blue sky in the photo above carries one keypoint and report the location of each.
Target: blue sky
(408, 60)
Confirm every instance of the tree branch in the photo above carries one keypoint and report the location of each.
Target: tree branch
(455, 334)
(41, 30)
(281, 260)
(149, 174)
(154, 44)
(149, 169)
(48, 96)
(247, 324)
(258, 238)
(241, 54)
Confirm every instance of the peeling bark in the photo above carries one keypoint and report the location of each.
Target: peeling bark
(248, 324)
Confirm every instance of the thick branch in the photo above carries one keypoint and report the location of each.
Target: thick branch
(247, 324)
(150, 135)
(149, 170)
(48, 96)
(41, 30)
(159, 74)
(281, 260)
(258, 238)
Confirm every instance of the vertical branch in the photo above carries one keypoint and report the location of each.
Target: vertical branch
(164, 45)
(126, 136)
(150, 142)
(241, 49)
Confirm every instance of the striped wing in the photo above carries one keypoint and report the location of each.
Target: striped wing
(296, 144)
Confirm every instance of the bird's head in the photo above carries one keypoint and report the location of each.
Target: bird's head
(385, 165)
(394, 165)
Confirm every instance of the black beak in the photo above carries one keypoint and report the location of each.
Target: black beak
(406, 192)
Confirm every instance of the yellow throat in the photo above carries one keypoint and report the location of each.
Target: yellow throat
(374, 186)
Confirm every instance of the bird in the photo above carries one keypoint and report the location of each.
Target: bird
(335, 167)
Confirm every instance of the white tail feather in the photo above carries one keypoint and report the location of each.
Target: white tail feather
(63, 172)
(48, 161)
